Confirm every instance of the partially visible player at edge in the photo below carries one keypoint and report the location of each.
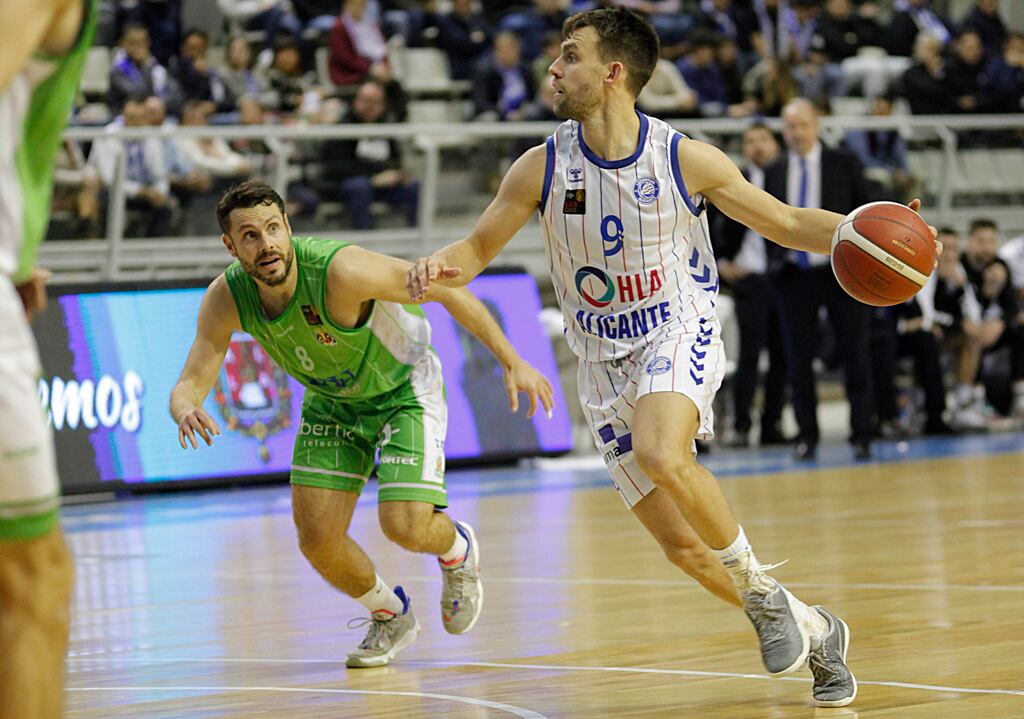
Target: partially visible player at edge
(621, 197)
(331, 315)
(41, 60)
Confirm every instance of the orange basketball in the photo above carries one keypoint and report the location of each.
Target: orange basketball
(882, 253)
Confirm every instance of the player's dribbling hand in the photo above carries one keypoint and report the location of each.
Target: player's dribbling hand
(523, 377)
(196, 421)
(423, 272)
(915, 205)
(33, 291)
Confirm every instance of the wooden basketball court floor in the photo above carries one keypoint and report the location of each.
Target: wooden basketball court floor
(191, 606)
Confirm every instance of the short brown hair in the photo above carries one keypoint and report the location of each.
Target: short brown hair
(243, 196)
(623, 36)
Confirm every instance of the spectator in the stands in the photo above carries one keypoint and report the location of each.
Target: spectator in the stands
(502, 85)
(76, 189)
(700, 71)
(186, 180)
(728, 20)
(883, 153)
(912, 19)
(550, 52)
(243, 77)
(162, 20)
(769, 85)
(271, 17)
(209, 154)
(989, 276)
(358, 50)
(732, 70)
(924, 83)
(146, 186)
(359, 172)
(669, 19)
(963, 74)
(198, 80)
(532, 25)
(316, 16)
(134, 72)
(295, 85)
(464, 36)
(666, 94)
(984, 19)
(841, 34)
(1003, 78)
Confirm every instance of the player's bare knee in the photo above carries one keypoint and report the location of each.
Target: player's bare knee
(317, 541)
(663, 464)
(405, 523)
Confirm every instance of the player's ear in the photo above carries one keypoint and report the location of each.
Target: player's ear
(229, 245)
(616, 72)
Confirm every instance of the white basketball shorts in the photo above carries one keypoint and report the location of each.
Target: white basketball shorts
(690, 363)
(28, 472)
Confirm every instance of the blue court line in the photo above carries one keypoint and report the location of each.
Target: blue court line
(476, 483)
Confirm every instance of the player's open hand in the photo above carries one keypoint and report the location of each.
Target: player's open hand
(424, 271)
(915, 205)
(196, 421)
(523, 377)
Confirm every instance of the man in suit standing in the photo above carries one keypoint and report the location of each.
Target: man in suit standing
(813, 175)
(743, 264)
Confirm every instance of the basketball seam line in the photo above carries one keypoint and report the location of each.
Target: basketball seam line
(881, 255)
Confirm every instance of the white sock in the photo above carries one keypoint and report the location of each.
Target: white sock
(964, 394)
(456, 555)
(741, 564)
(382, 602)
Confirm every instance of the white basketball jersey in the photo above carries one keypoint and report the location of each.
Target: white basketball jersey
(629, 249)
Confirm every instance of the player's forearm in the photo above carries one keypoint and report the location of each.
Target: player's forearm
(463, 255)
(809, 230)
(472, 314)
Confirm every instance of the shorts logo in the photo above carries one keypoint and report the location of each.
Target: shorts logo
(615, 447)
(698, 351)
(386, 434)
(645, 190)
(393, 459)
(602, 299)
(659, 365)
(574, 174)
(439, 467)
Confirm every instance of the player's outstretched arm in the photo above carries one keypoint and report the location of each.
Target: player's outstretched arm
(28, 22)
(218, 318)
(709, 171)
(459, 262)
(358, 275)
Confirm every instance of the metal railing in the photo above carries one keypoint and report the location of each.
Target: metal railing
(117, 257)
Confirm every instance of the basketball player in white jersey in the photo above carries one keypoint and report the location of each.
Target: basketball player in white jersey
(621, 198)
(41, 60)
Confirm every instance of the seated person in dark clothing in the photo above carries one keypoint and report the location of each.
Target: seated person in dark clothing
(963, 74)
(905, 331)
(729, 20)
(464, 37)
(924, 83)
(912, 19)
(290, 80)
(843, 33)
(984, 19)
(700, 71)
(1002, 80)
(369, 169)
(198, 80)
(534, 24)
(503, 85)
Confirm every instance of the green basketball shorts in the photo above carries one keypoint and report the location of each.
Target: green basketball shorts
(337, 440)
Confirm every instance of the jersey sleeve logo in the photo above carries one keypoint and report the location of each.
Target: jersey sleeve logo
(646, 190)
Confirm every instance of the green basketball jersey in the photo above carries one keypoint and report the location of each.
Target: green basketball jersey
(34, 110)
(338, 362)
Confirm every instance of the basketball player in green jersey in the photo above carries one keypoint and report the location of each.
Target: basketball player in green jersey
(41, 59)
(336, 317)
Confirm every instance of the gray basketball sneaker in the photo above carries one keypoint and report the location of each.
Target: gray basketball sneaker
(784, 640)
(384, 639)
(834, 684)
(462, 596)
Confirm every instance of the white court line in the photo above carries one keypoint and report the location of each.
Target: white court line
(544, 667)
(680, 583)
(515, 711)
